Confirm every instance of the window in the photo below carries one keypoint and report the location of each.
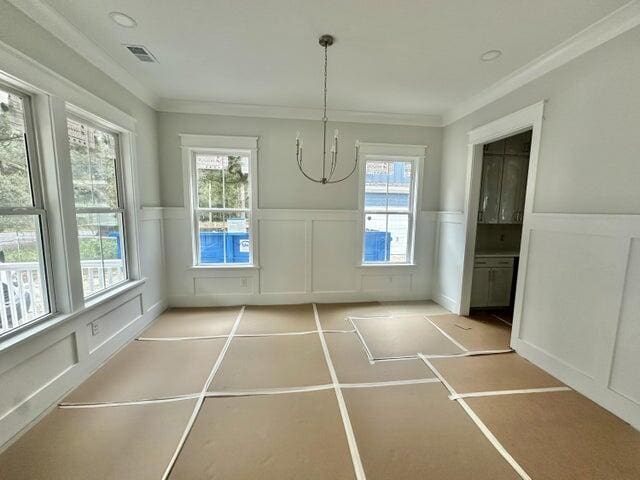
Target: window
(23, 272)
(389, 209)
(222, 207)
(97, 189)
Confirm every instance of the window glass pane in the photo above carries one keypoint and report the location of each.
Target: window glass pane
(224, 237)
(375, 186)
(398, 228)
(15, 185)
(223, 181)
(386, 237)
(102, 253)
(22, 278)
(377, 240)
(93, 164)
(399, 190)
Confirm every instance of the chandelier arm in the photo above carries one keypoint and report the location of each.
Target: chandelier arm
(299, 160)
(334, 163)
(355, 165)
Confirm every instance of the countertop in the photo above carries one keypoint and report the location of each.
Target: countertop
(497, 253)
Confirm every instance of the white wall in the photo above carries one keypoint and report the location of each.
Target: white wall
(37, 371)
(307, 233)
(579, 317)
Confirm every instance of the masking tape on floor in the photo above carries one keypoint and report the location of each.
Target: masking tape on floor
(479, 423)
(201, 397)
(344, 413)
(507, 392)
(239, 335)
(449, 337)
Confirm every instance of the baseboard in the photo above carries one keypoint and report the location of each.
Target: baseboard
(289, 298)
(445, 301)
(617, 404)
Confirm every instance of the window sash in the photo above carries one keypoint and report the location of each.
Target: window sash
(120, 210)
(37, 210)
(407, 212)
(197, 210)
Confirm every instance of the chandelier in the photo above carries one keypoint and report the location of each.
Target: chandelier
(327, 173)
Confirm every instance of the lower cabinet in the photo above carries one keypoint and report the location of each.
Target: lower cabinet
(491, 284)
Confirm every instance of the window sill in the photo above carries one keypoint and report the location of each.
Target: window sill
(43, 325)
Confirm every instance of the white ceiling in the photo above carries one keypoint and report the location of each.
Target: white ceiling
(401, 56)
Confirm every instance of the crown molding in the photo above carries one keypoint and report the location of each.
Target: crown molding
(616, 23)
(295, 113)
(51, 20)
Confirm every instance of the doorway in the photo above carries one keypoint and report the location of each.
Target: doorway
(496, 227)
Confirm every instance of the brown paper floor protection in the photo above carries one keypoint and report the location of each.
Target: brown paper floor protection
(415, 432)
(482, 373)
(292, 436)
(482, 332)
(193, 322)
(419, 307)
(352, 366)
(147, 370)
(122, 443)
(333, 316)
(562, 436)
(277, 319)
(398, 336)
(270, 362)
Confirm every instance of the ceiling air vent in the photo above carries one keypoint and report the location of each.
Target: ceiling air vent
(142, 53)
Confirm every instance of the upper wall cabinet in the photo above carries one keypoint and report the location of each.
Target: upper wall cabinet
(504, 180)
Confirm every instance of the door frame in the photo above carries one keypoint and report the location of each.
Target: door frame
(528, 118)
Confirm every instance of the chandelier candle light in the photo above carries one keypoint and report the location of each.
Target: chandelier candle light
(327, 177)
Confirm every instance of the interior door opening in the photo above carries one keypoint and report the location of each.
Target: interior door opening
(503, 185)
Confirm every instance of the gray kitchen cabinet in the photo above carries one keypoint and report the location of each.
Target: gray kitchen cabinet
(490, 191)
(513, 189)
(505, 165)
(491, 283)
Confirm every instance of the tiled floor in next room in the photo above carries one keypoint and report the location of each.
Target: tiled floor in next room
(337, 391)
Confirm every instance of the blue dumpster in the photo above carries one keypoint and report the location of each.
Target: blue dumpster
(377, 246)
(213, 244)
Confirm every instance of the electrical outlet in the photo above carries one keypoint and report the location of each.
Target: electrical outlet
(95, 329)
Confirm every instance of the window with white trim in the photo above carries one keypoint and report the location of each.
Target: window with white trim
(222, 200)
(23, 247)
(389, 208)
(99, 200)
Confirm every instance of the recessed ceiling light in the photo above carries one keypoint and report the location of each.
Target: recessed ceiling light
(123, 20)
(490, 55)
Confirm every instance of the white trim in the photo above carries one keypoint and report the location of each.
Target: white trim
(527, 118)
(56, 24)
(391, 152)
(616, 23)
(218, 141)
(192, 144)
(296, 113)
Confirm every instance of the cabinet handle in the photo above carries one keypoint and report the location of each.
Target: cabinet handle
(480, 215)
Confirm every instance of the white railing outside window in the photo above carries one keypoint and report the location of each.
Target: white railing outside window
(22, 295)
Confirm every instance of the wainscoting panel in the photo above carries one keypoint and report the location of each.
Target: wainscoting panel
(448, 258)
(625, 372)
(283, 256)
(334, 268)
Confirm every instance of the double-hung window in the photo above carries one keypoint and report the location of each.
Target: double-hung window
(222, 200)
(389, 208)
(99, 200)
(24, 288)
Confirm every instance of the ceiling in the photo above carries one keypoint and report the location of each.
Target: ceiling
(402, 56)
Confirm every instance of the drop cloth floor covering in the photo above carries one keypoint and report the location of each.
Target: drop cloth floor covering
(262, 392)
